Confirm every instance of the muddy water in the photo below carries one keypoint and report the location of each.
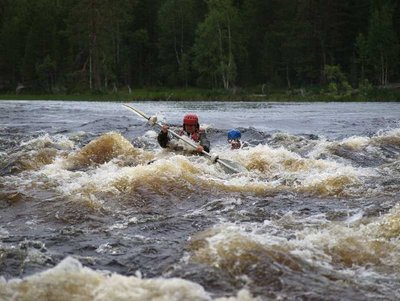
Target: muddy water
(84, 217)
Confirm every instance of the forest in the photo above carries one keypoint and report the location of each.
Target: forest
(101, 46)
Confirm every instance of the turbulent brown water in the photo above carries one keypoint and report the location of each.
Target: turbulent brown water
(84, 217)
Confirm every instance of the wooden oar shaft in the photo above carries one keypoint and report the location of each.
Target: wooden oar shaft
(192, 144)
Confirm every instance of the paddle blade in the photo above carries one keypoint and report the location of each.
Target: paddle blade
(231, 167)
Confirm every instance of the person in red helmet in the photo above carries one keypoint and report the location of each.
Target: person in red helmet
(191, 129)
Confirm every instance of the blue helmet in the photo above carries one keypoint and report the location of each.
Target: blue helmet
(234, 134)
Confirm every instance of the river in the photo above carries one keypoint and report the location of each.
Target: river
(83, 216)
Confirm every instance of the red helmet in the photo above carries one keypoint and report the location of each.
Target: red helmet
(190, 119)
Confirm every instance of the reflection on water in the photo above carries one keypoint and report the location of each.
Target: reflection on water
(315, 217)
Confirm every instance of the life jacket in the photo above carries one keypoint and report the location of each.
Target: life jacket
(235, 144)
(195, 136)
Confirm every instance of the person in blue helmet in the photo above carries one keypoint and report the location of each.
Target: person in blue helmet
(234, 137)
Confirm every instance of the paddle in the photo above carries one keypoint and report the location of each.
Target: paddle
(229, 166)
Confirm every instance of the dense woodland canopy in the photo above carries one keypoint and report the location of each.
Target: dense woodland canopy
(104, 45)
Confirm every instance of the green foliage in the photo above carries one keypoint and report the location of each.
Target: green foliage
(287, 54)
(332, 88)
(178, 20)
(140, 44)
(365, 87)
(104, 46)
(219, 44)
(362, 53)
(383, 45)
(46, 73)
(95, 29)
(337, 81)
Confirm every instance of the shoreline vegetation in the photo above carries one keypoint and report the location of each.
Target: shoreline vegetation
(195, 94)
(180, 50)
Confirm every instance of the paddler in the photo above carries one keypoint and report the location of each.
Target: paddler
(190, 129)
(234, 141)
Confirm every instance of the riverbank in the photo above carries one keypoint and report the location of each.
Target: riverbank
(192, 94)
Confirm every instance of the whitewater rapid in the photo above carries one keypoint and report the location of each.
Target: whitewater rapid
(85, 216)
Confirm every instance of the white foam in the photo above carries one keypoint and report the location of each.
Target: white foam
(4, 233)
(60, 141)
(355, 217)
(69, 280)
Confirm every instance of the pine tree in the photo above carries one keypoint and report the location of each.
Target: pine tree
(178, 20)
(219, 43)
(383, 45)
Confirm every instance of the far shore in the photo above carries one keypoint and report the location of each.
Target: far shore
(193, 94)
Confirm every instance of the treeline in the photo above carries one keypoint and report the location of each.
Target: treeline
(104, 45)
